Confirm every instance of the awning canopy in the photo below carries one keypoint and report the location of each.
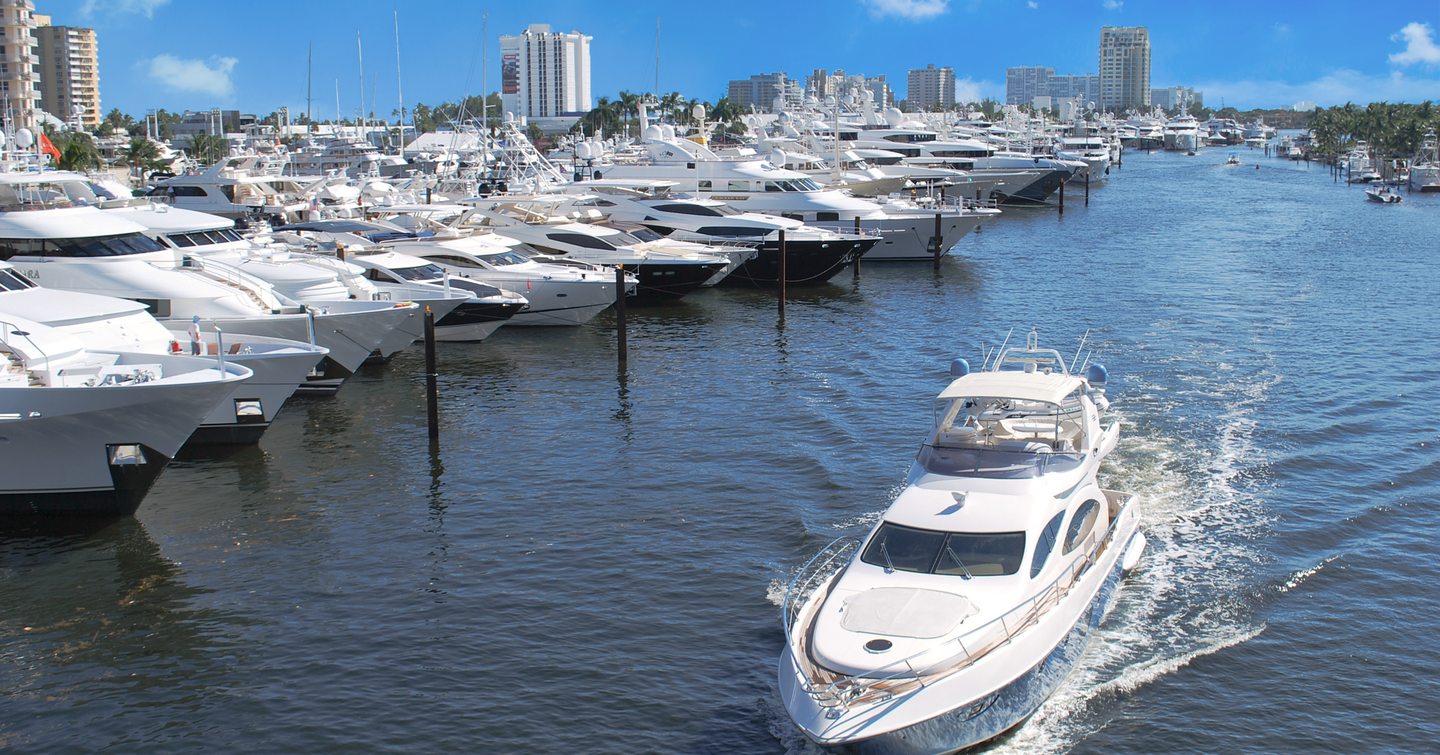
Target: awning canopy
(1026, 386)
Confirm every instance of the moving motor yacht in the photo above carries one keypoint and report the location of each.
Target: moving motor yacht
(87, 432)
(975, 594)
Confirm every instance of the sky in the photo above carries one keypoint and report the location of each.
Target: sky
(252, 56)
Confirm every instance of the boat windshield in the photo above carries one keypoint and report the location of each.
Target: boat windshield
(500, 259)
(44, 195)
(420, 272)
(970, 554)
(1022, 462)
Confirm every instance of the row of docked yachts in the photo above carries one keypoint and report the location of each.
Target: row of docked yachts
(113, 301)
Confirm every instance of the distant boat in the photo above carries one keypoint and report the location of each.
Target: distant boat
(1232, 160)
(1384, 195)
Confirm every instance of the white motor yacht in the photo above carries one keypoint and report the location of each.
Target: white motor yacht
(87, 432)
(311, 280)
(51, 230)
(665, 269)
(104, 322)
(813, 255)
(975, 594)
(1425, 173)
(558, 294)
(752, 185)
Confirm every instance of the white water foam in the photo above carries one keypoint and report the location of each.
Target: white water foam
(1299, 577)
(1202, 516)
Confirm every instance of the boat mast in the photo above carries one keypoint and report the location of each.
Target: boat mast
(657, 57)
(360, 55)
(399, 85)
(309, 81)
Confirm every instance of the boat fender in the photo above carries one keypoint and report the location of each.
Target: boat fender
(1132, 554)
(959, 367)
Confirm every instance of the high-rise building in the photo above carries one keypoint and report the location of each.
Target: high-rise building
(1025, 83)
(1173, 97)
(929, 88)
(883, 95)
(1086, 86)
(819, 85)
(19, 77)
(1124, 68)
(545, 74)
(765, 92)
(69, 73)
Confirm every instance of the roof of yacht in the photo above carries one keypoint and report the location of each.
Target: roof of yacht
(1028, 386)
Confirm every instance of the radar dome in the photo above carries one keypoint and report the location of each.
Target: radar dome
(654, 133)
(24, 138)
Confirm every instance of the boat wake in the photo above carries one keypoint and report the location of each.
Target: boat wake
(1192, 593)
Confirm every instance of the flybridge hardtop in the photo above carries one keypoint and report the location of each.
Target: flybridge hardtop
(975, 593)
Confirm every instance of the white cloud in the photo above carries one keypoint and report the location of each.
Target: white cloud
(1334, 88)
(1281, 29)
(1032, 5)
(1113, 4)
(909, 10)
(206, 77)
(144, 8)
(1419, 45)
(969, 90)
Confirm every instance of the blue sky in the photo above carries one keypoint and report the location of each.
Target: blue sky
(197, 54)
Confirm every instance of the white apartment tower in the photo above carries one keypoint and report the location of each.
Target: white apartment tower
(545, 74)
(1124, 68)
(930, 87)
(69, 72)
(19, 77)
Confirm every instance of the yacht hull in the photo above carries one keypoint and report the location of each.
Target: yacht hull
(913, 238)
(992, 715)
(982, 701)
(277, 375)
(660, 281)
(807, 263)
(474, 321)
(58, 449)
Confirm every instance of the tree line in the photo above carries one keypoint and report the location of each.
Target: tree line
(1391, 128)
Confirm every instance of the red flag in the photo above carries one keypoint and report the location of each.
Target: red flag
(47, 148)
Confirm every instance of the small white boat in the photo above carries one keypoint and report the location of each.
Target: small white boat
(1383, 195)
(976, 593)
(1232, 160)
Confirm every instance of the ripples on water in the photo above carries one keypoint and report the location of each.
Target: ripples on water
(592, 561)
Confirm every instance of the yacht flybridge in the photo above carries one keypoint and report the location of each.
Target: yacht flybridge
(974, 596)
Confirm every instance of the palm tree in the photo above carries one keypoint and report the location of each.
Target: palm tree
(208, 149)
(141, 154)
(628, 102)
(77, 151)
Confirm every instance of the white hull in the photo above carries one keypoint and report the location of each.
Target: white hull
(58, 440)
(989, 696)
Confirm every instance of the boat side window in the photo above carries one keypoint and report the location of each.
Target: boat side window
(729, 231)
(455, 260)
(1081, 524)
(827, 216)
(705, 185)
(229, 192)
(974, 554)
(97, 246)
(581, 240)
(11, 282)
(1046, 544)
(737, 186)
(688, 209)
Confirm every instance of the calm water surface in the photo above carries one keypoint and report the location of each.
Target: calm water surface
(592, 561)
